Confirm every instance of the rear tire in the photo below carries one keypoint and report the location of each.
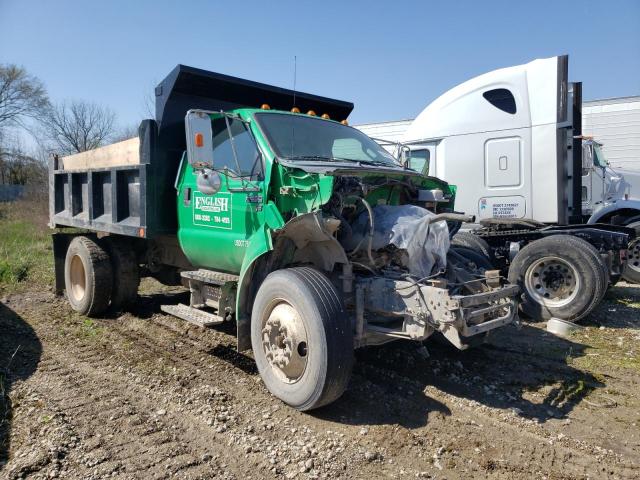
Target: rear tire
(560, 276)
(301, 337)
(126, 276)
(631, 271)
(88, 277)
(474, 242)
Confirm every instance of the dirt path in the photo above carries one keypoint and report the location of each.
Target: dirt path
(147, 396)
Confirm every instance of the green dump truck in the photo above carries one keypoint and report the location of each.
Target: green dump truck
(299, 228)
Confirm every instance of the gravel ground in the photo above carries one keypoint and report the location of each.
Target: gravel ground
(145, 395)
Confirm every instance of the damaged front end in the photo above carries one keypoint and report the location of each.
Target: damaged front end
(425, 286)
(387, 309)
(383, 246)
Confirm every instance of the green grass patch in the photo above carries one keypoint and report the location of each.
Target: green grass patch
(89, 328)
(25, 245)
(628, 302)
(617, 349)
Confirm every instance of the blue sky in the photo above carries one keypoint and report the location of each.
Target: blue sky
(390, 58)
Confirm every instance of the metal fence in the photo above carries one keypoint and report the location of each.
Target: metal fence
(9, 193)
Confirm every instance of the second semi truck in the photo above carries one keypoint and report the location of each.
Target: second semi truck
(511, 141)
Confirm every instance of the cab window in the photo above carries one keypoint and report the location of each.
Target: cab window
(419, 160)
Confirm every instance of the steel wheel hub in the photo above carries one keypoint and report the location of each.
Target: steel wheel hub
(552, 281)
(78, 278)
(633, 260)
(284, 340)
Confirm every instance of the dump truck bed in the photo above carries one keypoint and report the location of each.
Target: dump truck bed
(108, 189)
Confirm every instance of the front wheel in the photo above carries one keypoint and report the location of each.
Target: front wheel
(301, 337)
(473, 242)
(631, 271)
(560, 276)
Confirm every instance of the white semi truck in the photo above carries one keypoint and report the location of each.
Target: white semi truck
(511, 140)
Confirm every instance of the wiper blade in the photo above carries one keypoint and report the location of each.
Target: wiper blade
(381, 163)
(342, 159)
(321, 158)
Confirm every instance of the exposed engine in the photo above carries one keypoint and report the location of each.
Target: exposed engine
(389, 226)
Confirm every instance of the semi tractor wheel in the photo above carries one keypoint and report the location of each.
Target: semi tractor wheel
(301, 337)
(126, 276)
(469, 240)
(469, 258)
(631, 271)
(88, 277)
(560, 276)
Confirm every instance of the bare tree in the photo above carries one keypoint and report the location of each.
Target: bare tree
(78, 126)
(149, 103)
(125, 133)
(21, 95)
(18, 167)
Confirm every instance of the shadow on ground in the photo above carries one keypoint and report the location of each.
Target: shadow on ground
(620, 309)
(149, 304)
(20, 351)
(524, 370)
(389, 382)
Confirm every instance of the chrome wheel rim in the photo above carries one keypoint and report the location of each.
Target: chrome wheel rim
(284, 341)
(552, 281)
(77, 276)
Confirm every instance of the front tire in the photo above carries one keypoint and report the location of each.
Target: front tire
(88, 277)
(301, 337)
(473, 242)
(631, 271)
(560, 276)
(472, 260)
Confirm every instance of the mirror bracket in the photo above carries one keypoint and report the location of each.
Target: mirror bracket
(208, 181)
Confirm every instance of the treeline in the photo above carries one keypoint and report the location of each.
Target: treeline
(32, 127)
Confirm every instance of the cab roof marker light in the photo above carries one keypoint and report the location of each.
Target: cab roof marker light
(344, 122)
(312, 113)
(265, 106)
(326, 116)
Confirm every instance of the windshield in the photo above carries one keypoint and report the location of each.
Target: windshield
(299, 137)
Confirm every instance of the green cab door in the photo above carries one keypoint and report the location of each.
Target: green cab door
(214, 229)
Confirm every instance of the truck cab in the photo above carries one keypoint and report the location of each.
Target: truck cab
(516, 144)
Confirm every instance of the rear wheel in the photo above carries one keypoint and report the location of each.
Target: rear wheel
(301, 338)
(88, 276)
(631, 271)
(560, 276)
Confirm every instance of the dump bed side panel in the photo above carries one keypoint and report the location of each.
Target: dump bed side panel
(108, 189)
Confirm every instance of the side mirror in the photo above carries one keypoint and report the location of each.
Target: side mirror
(199, 139)
(405, 156)
(587, 157)
(208, 181)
